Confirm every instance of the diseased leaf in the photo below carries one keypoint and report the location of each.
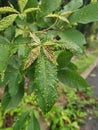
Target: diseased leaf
(50, 54)
(7, 21)
(73, 5)
(72, 79)
(35, 38)
(33, 123)
(86, 14)
(7, 9)
(73, 40)
(45, 83)
(22, 4)
(34, 53)
(21, 121)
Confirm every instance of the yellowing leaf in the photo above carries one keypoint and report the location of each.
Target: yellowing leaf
(63, 19)
(30, 10)
(6, 9)
(35, 38)
(22, 4)
(32, 57)
(66, 13)
(7, 21)
(49, 43)
(53, 15)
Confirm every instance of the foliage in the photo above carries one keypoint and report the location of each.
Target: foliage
(70, 117)
(39, 39)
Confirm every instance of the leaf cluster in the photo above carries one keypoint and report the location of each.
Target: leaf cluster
(37, 42)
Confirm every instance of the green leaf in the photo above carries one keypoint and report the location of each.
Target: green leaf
(15, 85)
(7, 21)
(21, 121)
(7, 9)
(73, 40)
(72, 79)
(33, 123)
(9, 33)
(30, 74)
(14, 79)
(21, 50)
(32, 3)
(5, 100)
(29, 10)
(3, 40)
(64, 58)
(73, 5)
(9, 102)
(21, 40)
(15, 100)
(86, 14)
(46, 83)
(13, 75)
(22, 4)
(49, 6)
(20, 24)
(4, 56)
(72, 66)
